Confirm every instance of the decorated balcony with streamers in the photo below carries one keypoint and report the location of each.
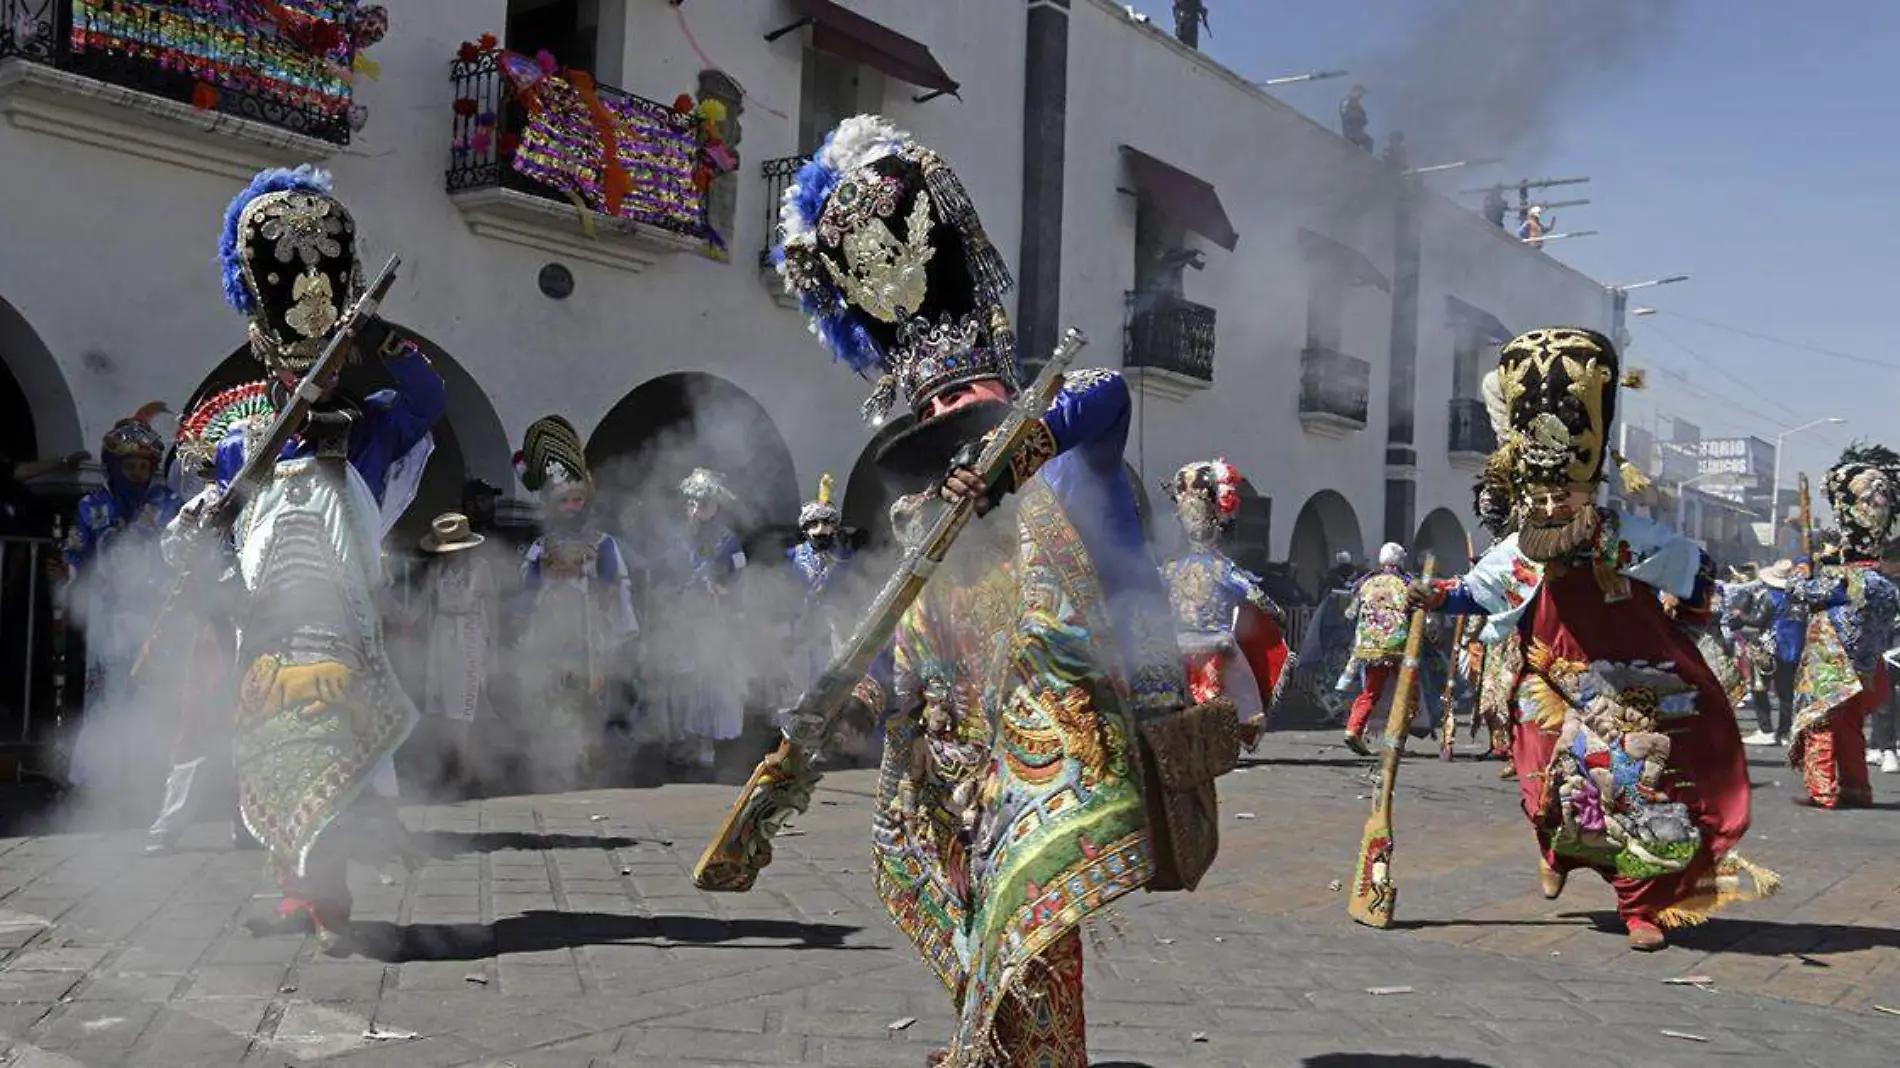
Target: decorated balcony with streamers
(527, 125)
(289, 64)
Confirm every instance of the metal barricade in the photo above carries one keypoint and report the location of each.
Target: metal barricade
(39, 637)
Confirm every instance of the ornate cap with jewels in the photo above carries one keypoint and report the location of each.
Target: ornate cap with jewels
(820, 509)
(705, 484)
(552, 456)
(1860, 491)
(1556, 389)
(887, 257)
(1214, 480)
(134, 436)
(288, 258)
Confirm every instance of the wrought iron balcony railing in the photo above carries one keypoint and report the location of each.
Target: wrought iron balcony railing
(1335, 386)
(778, 175)
(496, 141)
(232, 62)
(1166, 333)
(1469, 430)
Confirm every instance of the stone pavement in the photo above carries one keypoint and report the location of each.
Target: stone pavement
(564, 932)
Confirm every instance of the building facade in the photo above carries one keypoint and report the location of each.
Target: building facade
(1279, 296)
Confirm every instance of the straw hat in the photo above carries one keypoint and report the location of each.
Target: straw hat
(1777, 574)
(449, 533)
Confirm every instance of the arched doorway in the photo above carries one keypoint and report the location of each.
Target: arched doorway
(1442, 535)
(37, 415)
(669, 425)
(469, 440)
(1325, 527)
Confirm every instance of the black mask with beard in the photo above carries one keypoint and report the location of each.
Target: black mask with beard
(821, 540)
(918, 458)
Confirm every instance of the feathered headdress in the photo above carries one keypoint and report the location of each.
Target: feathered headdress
(134, 436)
(287, 255)
(215, 417)
(888, 260)
(552, 456)
(820, 509)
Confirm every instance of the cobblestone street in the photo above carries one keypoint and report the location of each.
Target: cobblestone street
(564, 932)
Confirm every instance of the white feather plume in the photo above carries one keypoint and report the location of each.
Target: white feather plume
(859, 140)
(1494, 406)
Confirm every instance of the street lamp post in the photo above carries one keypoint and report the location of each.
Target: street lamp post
(1774, 488)
(1619, 305)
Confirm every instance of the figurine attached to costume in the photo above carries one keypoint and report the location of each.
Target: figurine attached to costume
(321, 711)
(117, 578)
(1043, 638)
(1628, 757)
(580, 604)
(702, 690)
(1230, 631)
(1843, 676)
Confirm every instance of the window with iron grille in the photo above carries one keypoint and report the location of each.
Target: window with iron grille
(833, 89)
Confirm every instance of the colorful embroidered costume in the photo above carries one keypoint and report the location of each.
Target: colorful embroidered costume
(1010, 807)
(1230, 631)
(1628, 757)
(320, 709)
(579, 606)
(1842, 676)
(1381, 626)
(825, 567)
(118, 578)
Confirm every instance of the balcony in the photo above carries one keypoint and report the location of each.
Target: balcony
(222, 93)
(778, 175)
(1335, 392)
(538, 177)
(1468, 436)
(1168, 347)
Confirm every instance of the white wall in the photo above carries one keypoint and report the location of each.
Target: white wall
(108, 255)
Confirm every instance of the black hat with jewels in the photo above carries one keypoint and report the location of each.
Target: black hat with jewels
(289, 261)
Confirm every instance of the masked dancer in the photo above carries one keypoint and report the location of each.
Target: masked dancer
(1381, 626)
(702, 690)
(1021, 815)
(580, 612)
(320, 711)
(117, 577)
(826, 567)
(1231, 632)
(1851, 608)
(1629, 760)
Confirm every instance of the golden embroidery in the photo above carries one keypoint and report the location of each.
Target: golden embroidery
(884, 276)
(1549, 689)
(314, 312)
(302, 225)
(1038, 448)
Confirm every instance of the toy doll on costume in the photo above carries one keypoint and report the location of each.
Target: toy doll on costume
(320, 710)
(1842, 676)
(703, 689)
(1229, 629)
(1628, 756)
(117, 578)
(580, 612)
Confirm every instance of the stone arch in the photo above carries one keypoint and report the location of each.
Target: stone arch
(1443, 535)
(469, 441)
(669, 425)
(1326, 526)
(38, 417)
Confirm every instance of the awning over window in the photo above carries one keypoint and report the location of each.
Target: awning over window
(1343, 262)
(1481, 323)
(851, 36)
(1187, 200)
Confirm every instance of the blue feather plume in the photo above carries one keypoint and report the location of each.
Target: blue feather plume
(840, 328)
(231, 244)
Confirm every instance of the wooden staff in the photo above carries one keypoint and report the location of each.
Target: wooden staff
(1450, 727)
(1374, 894)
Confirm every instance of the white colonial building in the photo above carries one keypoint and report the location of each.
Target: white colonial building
(1094, 146)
